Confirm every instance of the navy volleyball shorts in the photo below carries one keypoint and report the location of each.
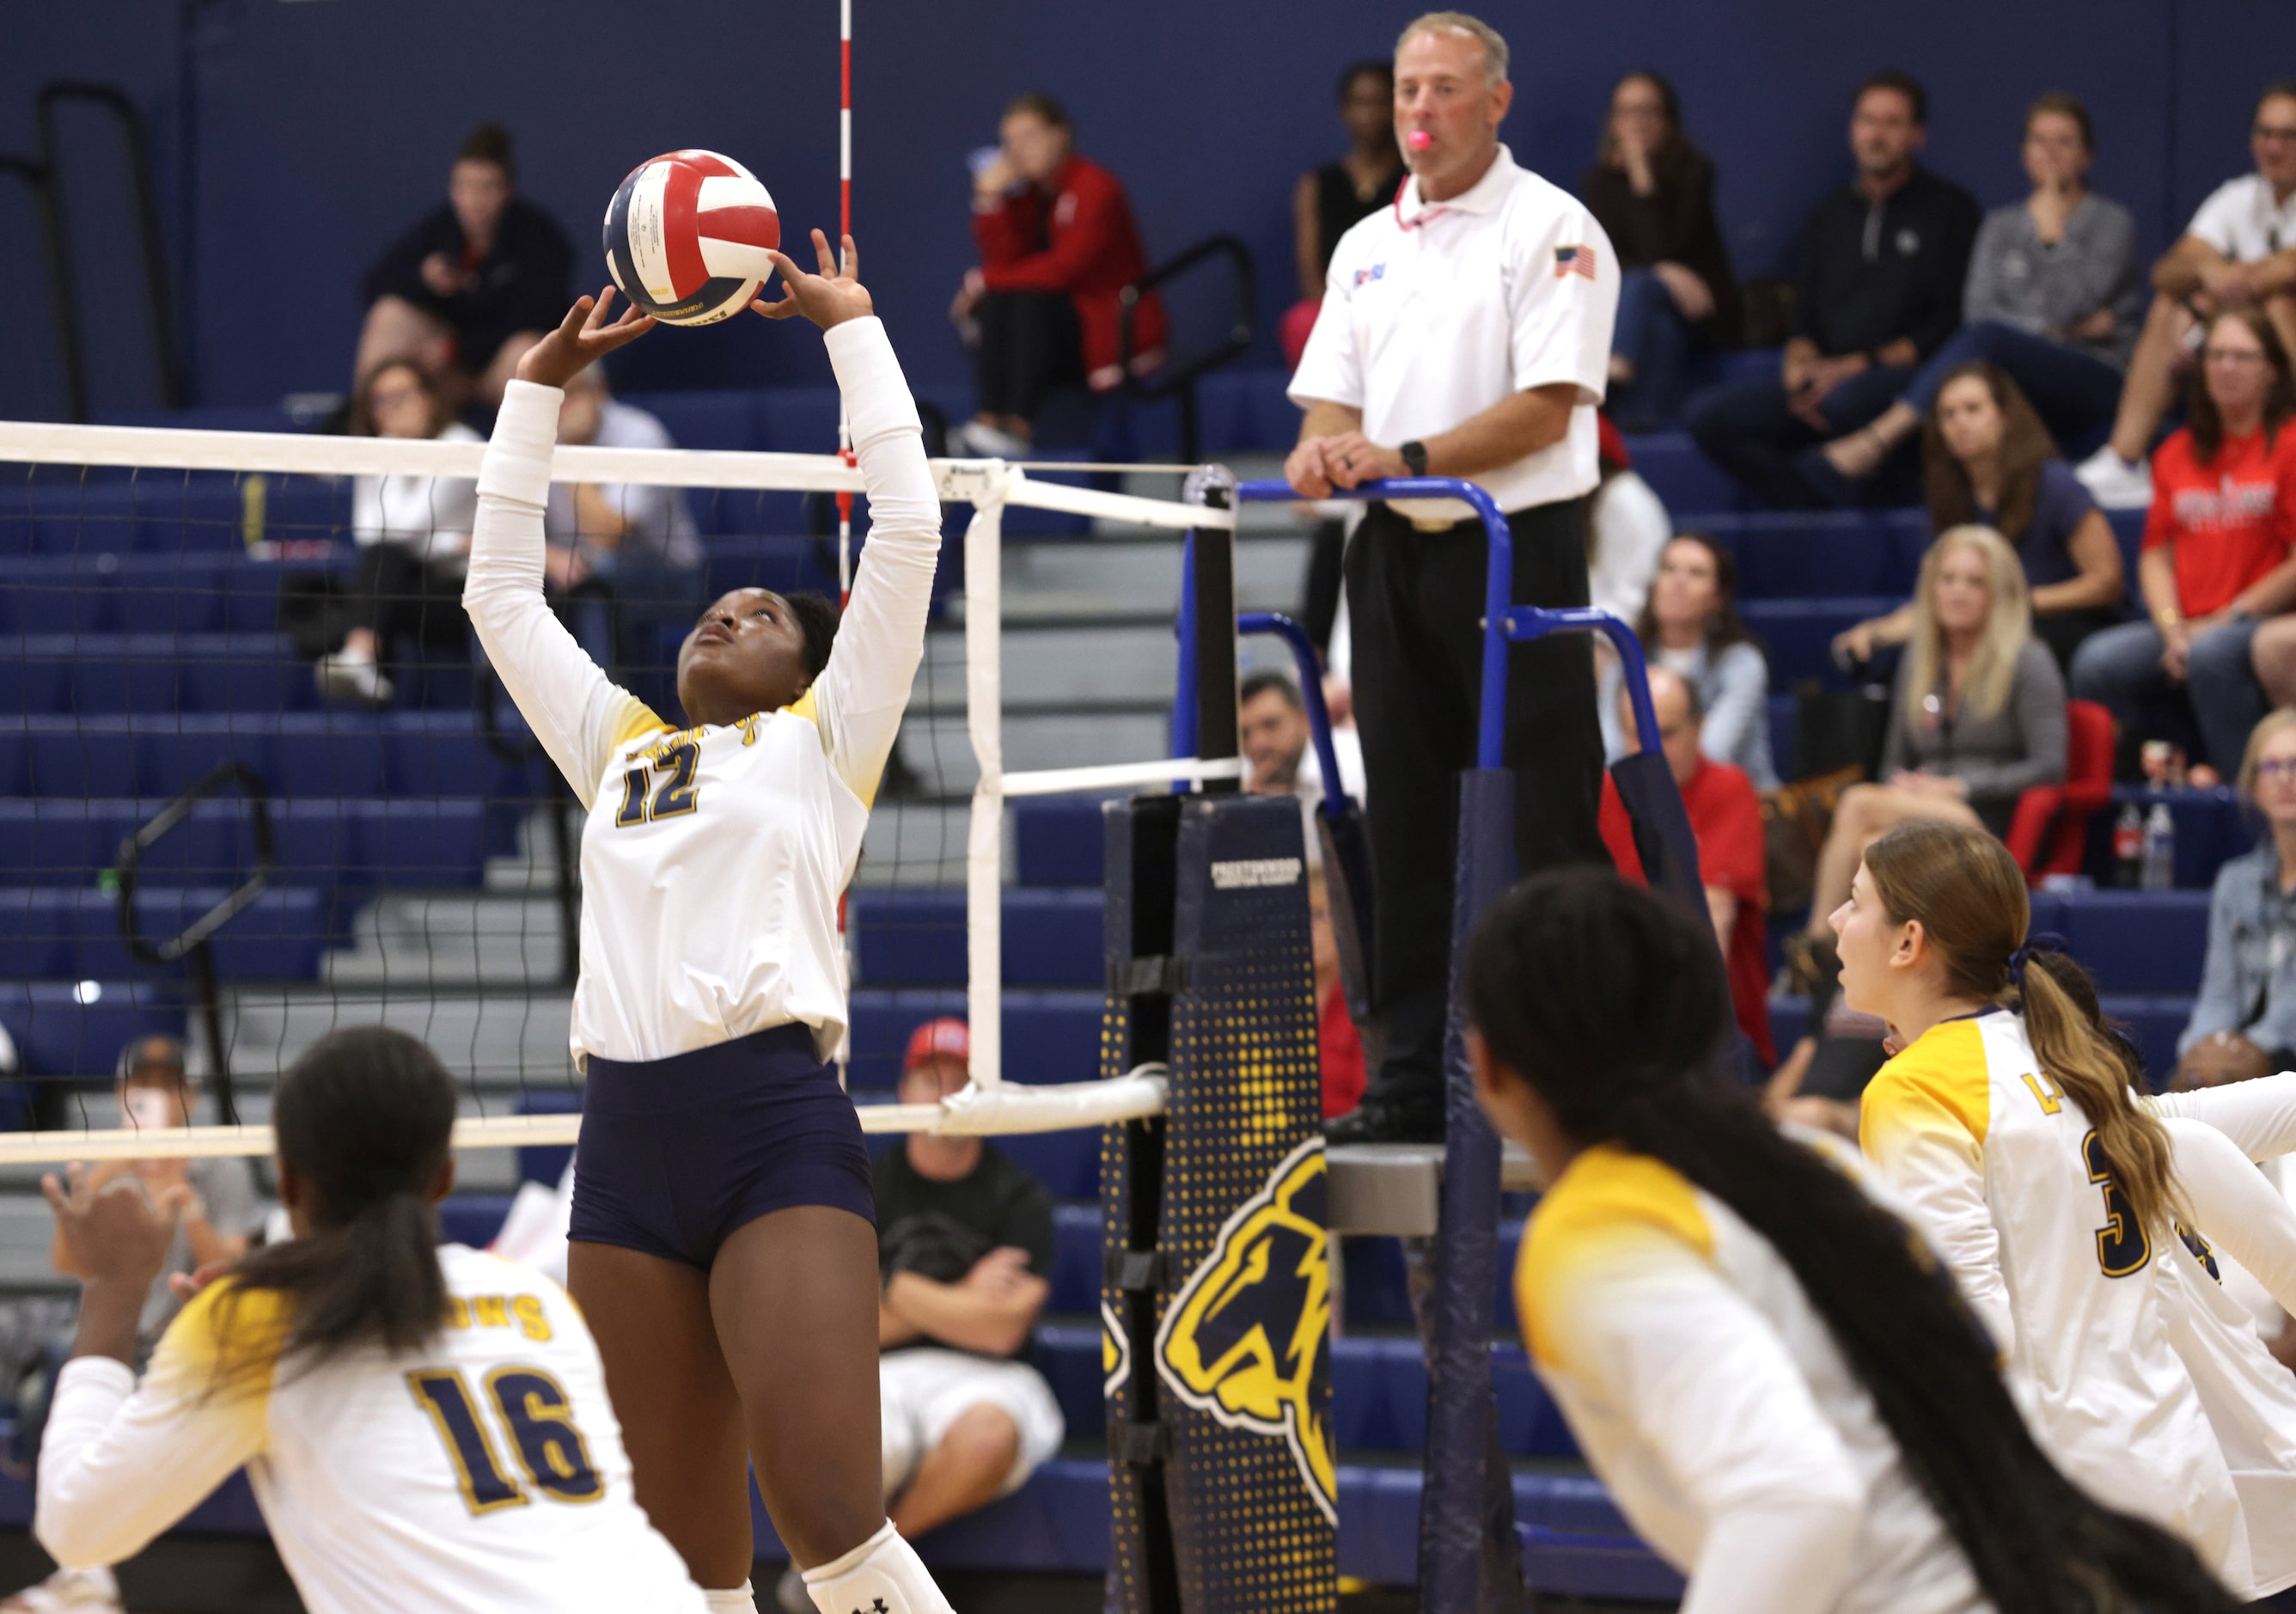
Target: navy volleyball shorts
(677, 1153)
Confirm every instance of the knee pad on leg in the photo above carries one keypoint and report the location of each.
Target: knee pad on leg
(881, 1576)
(733, 1600)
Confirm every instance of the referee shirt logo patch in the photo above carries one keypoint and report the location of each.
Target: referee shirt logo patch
(1242, 872)
(1574, 260)
(1364, 276)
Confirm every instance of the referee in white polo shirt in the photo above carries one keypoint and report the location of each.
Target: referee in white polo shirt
(1465, 331)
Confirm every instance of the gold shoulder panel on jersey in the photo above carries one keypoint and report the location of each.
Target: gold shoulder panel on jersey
(1946, 1073)
(1605, 1200)
(227, 1341)
(634, 720)
(805, 707)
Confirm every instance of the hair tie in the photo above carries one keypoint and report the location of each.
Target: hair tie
(2040, 941)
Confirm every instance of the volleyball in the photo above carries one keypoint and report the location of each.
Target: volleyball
(687, 234)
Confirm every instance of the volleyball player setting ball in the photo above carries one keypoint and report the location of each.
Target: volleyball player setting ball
(722, 1243)
(425, 1426)
(1786, 1396)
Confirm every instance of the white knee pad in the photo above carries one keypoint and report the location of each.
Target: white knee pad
(881, 1576)
(733, 1600)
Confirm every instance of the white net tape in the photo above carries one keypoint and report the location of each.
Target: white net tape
(991, 488)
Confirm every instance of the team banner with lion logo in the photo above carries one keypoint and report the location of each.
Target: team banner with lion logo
(1223, 1468)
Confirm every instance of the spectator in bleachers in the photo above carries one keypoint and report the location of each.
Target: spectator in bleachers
(1044, 310)
(1327, 201)
(477, 282)
(964, 1238)
(1825, 1073)
(221, 1211)
(1272, 731)
(1652, 193)
(1878, 283)
(414, 536)
(1725, 819)
(636, 542)
(1339, 1046)
(1988, 462)
(1978, 715)
(2243, 1022)
(1626, 532)
(1692, 626)
(2051, 298)
(2238, 252)
(2215, 556)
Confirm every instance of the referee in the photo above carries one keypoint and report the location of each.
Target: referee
(1465, 331)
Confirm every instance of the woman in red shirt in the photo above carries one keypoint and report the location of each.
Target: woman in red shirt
(2215, 561)
(1058, 246)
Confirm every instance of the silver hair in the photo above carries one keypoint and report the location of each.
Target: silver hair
(1494, 47)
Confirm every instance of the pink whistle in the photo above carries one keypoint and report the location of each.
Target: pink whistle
(1419, 140)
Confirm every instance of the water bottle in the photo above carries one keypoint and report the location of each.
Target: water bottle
(2160, 848)
(2128, 846)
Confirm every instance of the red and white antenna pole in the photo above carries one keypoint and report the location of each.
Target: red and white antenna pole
(844, 229)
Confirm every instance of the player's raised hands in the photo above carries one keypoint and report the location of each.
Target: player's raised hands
(830, 298)
(118, 1232)
(582, 338)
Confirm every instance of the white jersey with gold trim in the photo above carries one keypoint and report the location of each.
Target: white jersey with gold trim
(1707, 1393)
(714, 857)
(1999, 1167)
(482, 1474)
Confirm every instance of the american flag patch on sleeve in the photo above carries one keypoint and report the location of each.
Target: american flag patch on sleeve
(1574, 260)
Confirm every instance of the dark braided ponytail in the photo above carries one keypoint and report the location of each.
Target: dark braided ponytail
(1610, 1002)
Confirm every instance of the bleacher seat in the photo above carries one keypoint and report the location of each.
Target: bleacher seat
(328, 753)
(1051, 937)
(2049, 834)
(61, 934)
(63, 840)
(1050, 1035)
(64, 1027)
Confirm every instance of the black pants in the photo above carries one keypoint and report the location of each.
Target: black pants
(1415, 605)
(1746, 429)
(396, 595)
(1030, 345)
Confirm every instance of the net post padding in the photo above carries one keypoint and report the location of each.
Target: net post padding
(984, 851)
(1217, 1292)
(1469, 1562)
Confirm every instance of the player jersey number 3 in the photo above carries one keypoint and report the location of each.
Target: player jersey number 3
(539, 1419)
(2122, 1244)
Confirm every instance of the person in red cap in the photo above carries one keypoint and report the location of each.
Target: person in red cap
(965, 1243)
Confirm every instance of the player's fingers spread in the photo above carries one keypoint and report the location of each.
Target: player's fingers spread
(852, 259)
(780, 310)
(787, 266)
(821, 251)
(53, 1192)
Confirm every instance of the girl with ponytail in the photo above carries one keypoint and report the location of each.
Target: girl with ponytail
(425, 1426)
(2009, 1126)
(1786, 1395)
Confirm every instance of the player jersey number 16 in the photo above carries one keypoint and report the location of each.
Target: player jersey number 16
(535, 1410)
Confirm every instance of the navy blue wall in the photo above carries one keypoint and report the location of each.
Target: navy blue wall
(326, 125)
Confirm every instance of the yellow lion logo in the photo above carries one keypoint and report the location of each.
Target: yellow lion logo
(1246, 1338)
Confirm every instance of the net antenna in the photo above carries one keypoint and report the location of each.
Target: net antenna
(844, 230)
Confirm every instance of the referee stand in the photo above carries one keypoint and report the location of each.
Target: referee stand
(1469, 1546)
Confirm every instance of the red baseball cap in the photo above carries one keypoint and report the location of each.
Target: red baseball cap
(947, 1036)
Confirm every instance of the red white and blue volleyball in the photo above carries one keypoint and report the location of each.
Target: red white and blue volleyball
(687, 234)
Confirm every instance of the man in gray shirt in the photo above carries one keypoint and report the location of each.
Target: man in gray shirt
(2053, 299)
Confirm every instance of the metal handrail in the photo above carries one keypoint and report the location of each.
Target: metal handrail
(138, 139)
(1172, 376)
(192, 942)
(242, 897)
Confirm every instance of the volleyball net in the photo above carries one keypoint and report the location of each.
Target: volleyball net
(213, 826)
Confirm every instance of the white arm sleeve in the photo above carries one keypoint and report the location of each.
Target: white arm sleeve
(577, 713)
(858, 699)
(2237, 1210)
(1928, 1158)
(119, 1462)
(2259, 1116)
(1710, 1386)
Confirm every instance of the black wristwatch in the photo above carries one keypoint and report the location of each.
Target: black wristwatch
(1415, 457)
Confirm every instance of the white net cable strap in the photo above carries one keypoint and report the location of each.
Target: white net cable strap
(144, 447)
(975, 1111)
